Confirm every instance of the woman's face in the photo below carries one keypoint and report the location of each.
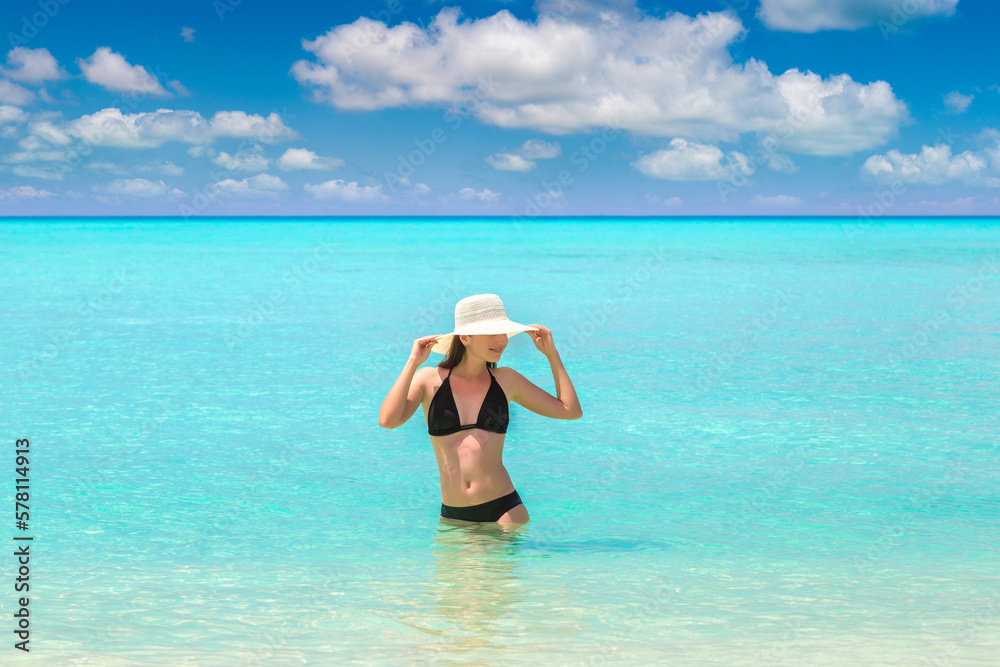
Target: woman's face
(487, 346)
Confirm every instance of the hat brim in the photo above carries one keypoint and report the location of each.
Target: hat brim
(443, 344)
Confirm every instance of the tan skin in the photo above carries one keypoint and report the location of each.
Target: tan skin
(470, 462)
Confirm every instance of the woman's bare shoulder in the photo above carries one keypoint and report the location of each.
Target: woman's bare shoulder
(431, 371)
(427, 376)
(509, 379)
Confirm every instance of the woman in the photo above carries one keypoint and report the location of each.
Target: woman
(475, 485)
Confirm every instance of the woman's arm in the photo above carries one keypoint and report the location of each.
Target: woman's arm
(403, 399)
(406, 395)
(565, 404)
(564, 387)
(529, 395)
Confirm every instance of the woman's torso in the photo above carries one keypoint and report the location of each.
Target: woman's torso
(470, 462)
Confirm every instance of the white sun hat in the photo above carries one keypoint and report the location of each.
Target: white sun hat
(477, 315)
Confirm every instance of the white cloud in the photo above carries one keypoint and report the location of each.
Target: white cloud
(137, 187)
(689, 161)
(836, 116)
(268, 182)
(297, 159)
(991, 138)
(111, 71)
(509, 162)
(110, 127)
(46, 131)
(587, 10)
(48, 173)
(261, 186)
(934, 165)
(32, 143)
(187, 34)
(34, 156)
(25, 192)
(243, 161)
(956, 102)
(672, 202)
(522, 159)
(781, 163)
(345, 191)
(12, 93)
(233, 187)
(34, 66)
(179, 88)
(814, 15)
(166, 167)
(485, 195)
(10, 115)
(777, 201)
(660, 77)
(158, 166)
(240, 124)
(198, 151)
(536, 149)
(418, 190)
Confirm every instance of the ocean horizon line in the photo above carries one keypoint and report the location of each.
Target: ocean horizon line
(870, 220)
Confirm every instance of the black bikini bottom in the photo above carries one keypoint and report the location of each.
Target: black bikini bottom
(489, 511)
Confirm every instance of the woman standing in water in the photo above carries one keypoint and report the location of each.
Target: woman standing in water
(475, 485)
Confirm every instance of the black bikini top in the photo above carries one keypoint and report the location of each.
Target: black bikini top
(442, 415)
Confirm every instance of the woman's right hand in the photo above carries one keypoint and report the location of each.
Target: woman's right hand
(422, 348)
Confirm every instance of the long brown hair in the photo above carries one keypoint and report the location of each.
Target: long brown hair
(456, 353)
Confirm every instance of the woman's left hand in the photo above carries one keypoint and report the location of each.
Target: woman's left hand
(543, 339)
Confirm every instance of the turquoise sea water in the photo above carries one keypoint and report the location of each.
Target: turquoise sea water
(788, 453)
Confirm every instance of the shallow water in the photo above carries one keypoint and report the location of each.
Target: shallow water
(788, 453)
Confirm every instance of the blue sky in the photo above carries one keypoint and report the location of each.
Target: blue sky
(528, 109)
